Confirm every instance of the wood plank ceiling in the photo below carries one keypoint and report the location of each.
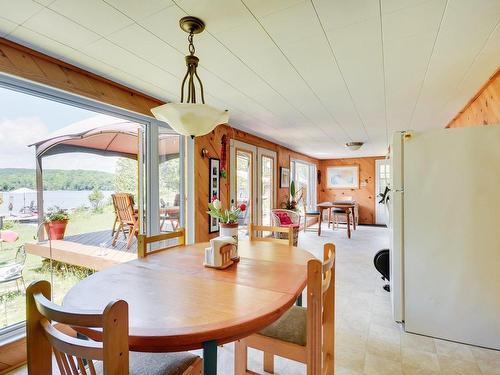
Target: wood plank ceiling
(308, 74)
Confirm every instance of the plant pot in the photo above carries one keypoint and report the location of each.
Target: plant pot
(230, 230)
(55, 229)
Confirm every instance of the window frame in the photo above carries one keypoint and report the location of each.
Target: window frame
(312, 186)
(150, 173)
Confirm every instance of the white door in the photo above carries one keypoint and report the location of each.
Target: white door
(382, 180)
(243, 182)
(266, 185)
(253, 182)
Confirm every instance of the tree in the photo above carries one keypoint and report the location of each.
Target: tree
(126, 176)
(96, 197)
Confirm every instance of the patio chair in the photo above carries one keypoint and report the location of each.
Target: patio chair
(301, 334)
(75, 356)
(13, 270)
(255, 233)
(125, 217)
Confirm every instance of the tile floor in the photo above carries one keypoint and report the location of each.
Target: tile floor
(367, 339)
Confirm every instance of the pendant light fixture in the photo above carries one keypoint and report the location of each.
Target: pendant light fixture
(189, 117)
(353, 146)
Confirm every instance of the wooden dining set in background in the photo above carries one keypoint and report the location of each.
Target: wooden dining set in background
(137, 313)
(344, 208)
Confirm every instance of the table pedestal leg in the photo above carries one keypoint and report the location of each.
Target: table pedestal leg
(319, 221)
(348, 214)
(210, 358)
(353, 219)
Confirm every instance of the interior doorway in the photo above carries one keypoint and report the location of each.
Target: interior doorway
(253, 183)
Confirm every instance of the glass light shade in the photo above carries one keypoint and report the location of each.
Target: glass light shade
(191, 119)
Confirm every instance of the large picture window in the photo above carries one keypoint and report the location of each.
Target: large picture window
(66, 165)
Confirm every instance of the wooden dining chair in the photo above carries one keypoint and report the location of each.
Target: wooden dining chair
(302, 334)
(143, 242)
(255, 230)
(125, 216)
(79, 356)
(308, 213)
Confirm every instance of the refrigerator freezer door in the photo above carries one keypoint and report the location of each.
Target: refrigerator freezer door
(451, 234)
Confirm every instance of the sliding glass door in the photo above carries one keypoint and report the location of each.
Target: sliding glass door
(73, 157)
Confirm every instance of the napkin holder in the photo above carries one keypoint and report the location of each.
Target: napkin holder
(218, 255)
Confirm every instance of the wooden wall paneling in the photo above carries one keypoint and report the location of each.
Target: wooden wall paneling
(212, 143)
(365, 195)
(24, 62)
(483, 108)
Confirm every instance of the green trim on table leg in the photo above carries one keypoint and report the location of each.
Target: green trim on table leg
(210, 358)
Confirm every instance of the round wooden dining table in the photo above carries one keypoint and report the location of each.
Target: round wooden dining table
(177, 304)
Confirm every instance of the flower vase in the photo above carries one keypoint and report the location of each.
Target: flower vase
(231, 230)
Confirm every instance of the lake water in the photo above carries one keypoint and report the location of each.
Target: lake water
(67, 199)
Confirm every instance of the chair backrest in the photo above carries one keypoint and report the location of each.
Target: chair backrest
(74, 356)
(293, 215)
(254, 230)
(124, 207)
(21, 255)
(143, 241)
(321, 309)
(177, 200)
(304, 198)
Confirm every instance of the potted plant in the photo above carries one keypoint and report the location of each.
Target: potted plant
(293, 198)
(228, 219)
(55, 224)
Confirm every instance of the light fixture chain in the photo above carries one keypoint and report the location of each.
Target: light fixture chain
(192, 50)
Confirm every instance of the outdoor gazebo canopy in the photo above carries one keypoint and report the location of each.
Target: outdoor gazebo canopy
(100, 135)
(103, 135)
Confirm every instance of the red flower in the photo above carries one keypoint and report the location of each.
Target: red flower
(243, 207)
(214, 198)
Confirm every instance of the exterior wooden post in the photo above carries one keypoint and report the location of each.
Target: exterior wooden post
(39, 196)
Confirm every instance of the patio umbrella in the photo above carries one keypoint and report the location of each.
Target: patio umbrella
(23, 191)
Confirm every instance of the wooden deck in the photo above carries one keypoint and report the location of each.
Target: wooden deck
(85, 250)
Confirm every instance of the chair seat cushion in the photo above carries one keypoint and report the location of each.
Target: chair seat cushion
(284, 218)
(157, 363)
(291, 327)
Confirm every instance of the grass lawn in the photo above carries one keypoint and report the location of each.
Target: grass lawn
(12, 299)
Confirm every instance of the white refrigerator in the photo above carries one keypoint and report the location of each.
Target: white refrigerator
(445, 229)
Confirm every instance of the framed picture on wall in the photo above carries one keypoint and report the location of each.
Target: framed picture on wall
(344, 177)
(213, 191)
(284, 177)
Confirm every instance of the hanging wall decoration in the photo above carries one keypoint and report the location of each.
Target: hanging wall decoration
(214, 191)
(223, 157)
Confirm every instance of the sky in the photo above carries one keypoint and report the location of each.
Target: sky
(25, 119)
